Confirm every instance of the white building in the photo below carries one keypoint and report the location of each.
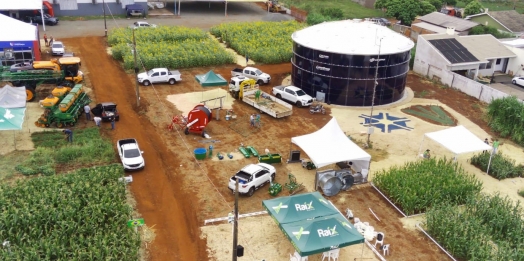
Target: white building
(516, 66)
(472, 56)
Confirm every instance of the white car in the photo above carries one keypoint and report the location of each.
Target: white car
(140, 24)
(252, 177)
(519, 80)
(57, 48)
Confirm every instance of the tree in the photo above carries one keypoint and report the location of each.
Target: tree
(436, 3)
(481, 29)
(426, 8)
(403, 10)
(474, 7)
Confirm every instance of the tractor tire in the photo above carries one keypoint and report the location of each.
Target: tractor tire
(146, 83)
(299, 104)
(186, 131)
(60, 125)
(46, 125)
(30, 94)
(251, 192)
(172, 81)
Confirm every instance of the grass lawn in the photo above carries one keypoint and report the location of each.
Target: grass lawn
(7, 163)
(350, 8)
(498, 6)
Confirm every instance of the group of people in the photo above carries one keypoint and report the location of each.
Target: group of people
(69, 133)
(50, 42)
(254, 120)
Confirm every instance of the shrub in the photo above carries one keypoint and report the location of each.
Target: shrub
(332, 12)
(500, 167)
(506, 116)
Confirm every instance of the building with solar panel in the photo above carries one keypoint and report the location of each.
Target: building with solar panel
(338, 62)
(443, 56)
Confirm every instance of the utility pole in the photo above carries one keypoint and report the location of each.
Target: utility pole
(235, 224)
(105, 23)
(136, 71)
(378, 60)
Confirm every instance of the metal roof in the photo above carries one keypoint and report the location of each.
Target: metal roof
(352, 37)
(453, 50)
(445, 21)
(431, 27)
(510, 19)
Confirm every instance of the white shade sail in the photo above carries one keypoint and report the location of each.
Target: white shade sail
(330, 145)
(15, 30)
(458, 140)
(21, 5)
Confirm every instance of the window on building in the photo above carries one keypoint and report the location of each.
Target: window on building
(68, 5)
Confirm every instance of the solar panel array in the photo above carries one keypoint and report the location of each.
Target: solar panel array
(454, 51)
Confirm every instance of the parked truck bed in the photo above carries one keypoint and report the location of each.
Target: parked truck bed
(268, 104)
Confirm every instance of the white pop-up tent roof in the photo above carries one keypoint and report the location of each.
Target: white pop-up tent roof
(458, 140)
(21, 5)
(14, 30)
(330, 145)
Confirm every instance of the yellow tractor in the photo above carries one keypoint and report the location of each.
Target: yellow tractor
(69, 65)
(274, 7)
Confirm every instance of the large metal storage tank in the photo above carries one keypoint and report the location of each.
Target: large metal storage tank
(336, 61)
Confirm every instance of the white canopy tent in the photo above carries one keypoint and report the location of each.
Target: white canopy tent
(14, 30)
(458, 140)
(23, 5)
(330, 145)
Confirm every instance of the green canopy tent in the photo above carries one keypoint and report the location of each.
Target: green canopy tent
(210, 79)
(11, 119)
(321, 234)
(298, 207)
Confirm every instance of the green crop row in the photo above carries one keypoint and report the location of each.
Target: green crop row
(501, 167)
(265, 42)
(154, 35)
(486, 228)
(506, 116)
(419, 185)
(78, 216)
(171, 47)
(88, 148)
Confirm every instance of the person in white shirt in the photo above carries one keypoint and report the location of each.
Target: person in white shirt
(87, 110)
(97, 120)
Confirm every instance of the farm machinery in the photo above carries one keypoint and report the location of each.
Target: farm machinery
(274, 7)
(195, 122)
(63, 106)
(64, 71)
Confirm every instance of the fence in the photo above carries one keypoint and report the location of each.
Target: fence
(406, 31)
(466, 85)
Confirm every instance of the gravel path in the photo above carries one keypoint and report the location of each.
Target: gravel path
(194, 14)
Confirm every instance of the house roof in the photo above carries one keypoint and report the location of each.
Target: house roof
(483, 47)
(431, 27)
(510, 19)
(445, 21)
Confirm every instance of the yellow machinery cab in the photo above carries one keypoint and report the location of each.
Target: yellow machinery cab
(60, 91)
(50, 101)
(71, 68)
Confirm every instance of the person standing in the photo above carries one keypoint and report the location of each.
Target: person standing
(68, 135)
(112, 119)
(487, 142)
(45, 40)
(97, 121)
(496, 146)
(426, 154)
(257, 121)
(87, 110)
(252, 120)
(51, 39)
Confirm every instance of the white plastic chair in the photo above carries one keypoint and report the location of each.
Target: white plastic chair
(385, 250)
(356, 220)
(292, 258)
(349, 213)
(326, 254)
(299, 257)
(334, 254)
(380, 239)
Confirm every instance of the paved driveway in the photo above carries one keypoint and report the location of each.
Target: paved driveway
(503, 84)
(193, 14)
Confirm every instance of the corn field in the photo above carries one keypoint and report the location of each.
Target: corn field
(264, 42)
(168, 46)
(78, 216)
(506, 116)
(485, 228)
(419, 185)
(501, 167)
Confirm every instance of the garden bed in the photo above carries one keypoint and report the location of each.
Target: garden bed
(431, 113)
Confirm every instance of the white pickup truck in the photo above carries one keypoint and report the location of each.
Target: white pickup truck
(293, 94)
(252, 177)
(140, 24)
(252, 73)
(159, 75)
(130, 154)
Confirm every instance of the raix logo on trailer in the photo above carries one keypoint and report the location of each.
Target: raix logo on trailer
(305, 206)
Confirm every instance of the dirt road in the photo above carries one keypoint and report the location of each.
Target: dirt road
(160, 199)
